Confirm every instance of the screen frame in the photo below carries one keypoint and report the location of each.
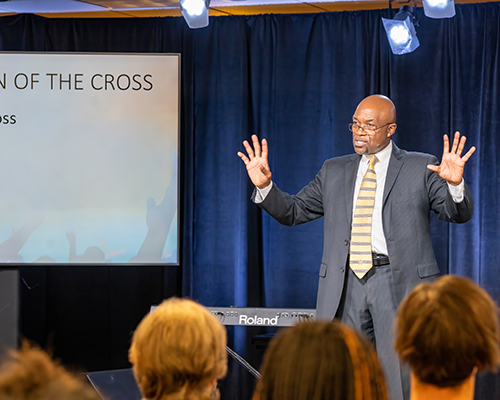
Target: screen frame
(179, 206)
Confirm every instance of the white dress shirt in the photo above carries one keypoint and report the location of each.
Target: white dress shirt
(379, 244)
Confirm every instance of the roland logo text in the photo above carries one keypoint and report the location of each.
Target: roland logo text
(246, 320)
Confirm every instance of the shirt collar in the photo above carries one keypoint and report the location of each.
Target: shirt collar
(383, 155)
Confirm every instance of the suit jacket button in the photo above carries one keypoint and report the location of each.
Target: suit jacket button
(341, 269)
(346, 242)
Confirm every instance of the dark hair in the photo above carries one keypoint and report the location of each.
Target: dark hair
(320, 361)
(446, 329)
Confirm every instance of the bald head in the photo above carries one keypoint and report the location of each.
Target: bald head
(376, 115)
(380, 103)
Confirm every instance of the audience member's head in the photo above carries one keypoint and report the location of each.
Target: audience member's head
(178, 352)
(30, 374)
(320, 361)
(446, 331)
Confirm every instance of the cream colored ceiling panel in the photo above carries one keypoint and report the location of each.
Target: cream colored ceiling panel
(354, 5)
(97, 14)
(47, 6)
(164, 12)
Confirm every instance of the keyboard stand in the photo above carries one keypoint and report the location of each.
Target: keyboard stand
(244, 363)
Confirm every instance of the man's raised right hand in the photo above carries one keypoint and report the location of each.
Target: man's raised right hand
(256, 162)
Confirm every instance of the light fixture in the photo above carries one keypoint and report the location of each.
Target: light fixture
(195, 12)
(401, 31)
(439, 8)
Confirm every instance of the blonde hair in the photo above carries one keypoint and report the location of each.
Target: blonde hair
(320, 361)
(30, 374)
(177, 350)
(446, 329)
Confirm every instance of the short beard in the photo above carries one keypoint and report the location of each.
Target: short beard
(364, 152)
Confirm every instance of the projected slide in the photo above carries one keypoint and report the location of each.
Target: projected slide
(88, 158)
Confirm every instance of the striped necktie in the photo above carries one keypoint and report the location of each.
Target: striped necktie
(360, 259)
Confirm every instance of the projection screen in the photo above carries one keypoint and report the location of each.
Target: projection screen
(89, 158)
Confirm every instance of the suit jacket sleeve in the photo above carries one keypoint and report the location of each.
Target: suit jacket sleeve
(291, 210)
(441, 201)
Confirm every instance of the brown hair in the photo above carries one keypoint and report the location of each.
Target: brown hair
(30, 374)
(177, 350)
(447, 328)
(320, 361)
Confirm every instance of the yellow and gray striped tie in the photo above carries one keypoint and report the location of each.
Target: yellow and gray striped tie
(360, 259)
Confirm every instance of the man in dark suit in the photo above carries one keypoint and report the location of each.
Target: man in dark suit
(376, 204)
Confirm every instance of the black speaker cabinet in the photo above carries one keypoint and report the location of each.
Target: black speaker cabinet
(9, 309)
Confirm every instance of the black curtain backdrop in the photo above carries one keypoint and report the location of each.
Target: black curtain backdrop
(296, 80)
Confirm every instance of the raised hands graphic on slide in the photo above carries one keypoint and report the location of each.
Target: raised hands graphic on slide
(256, 162)
(452, 164)
(159, 217)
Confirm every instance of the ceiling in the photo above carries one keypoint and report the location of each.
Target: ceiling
(162, 8)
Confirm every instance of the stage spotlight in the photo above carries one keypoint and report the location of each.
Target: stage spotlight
(195, 12)
(439, 8)
(401, 31)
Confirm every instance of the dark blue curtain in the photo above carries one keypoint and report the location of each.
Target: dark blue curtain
(296, 80)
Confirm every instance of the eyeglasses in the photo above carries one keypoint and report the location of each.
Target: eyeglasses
(368, 129)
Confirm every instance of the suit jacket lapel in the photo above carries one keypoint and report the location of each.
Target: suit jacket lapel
(351, 169)
(395, 164)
